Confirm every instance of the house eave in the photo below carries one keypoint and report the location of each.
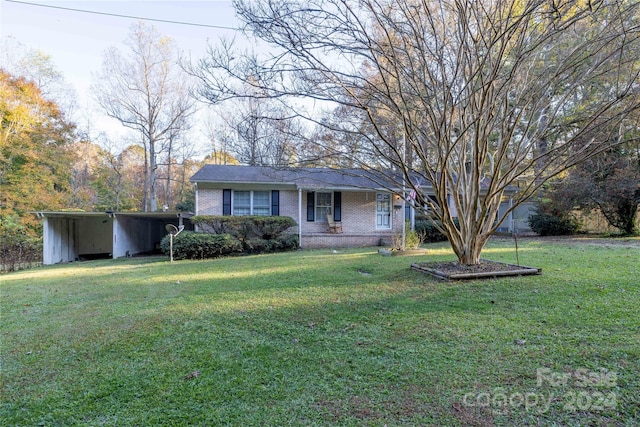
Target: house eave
(346, 189)
(253, 185)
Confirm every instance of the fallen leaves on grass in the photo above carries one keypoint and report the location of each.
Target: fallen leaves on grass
(192, 375)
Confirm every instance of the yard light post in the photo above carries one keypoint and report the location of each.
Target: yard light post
(173, 231)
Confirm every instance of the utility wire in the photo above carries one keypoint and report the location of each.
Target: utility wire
(193, 24)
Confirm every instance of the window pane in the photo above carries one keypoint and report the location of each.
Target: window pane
(239, 211)
(323, 206)
(261, 198)
(241, 198)
(261, 203)
(242, 203)
(323, 199)
(261, 211)
(321, 214)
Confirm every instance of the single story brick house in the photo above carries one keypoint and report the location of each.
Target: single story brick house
(366, 206)
(368, 212)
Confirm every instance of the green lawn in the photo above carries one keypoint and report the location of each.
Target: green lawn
(324, 338)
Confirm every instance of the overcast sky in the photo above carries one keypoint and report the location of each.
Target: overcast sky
(76, 40)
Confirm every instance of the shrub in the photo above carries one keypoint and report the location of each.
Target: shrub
(412, 238)
(271, 227)
(17, 248)
(258, 246)
(427, 229)
(248, 234)
(289, 242)
(246, 227)
(193, 245)
(548, 224)
(282, 243)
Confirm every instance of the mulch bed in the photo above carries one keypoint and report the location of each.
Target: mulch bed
(451, 270)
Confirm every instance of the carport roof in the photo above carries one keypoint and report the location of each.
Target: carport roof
(150, 215)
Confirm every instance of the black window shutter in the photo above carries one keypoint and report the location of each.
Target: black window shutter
(311, 206)
(337, 206)
(275, 202)
(226, 202)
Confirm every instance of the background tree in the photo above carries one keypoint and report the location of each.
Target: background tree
(39, 68)
(257, 132)
(609, 182)
(34, 160)
(257, 129)
(146, 91)
(178, 167)
(119, 181)
(483, 93)
(34, 150)
(83, 173)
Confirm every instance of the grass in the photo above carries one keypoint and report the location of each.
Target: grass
(323, 338)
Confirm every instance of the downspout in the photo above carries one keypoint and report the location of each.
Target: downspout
(299, 217)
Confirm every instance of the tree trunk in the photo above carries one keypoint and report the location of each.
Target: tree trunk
(468, 249)
(168, 185)
(117, 192)
(145, 193)
(153, 165)
(153, 205)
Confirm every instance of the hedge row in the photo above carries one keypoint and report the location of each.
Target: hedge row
(246, 227)
(196, 245)
(192, 245)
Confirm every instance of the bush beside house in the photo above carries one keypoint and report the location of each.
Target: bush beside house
(429, 232)
(553, 223)
(193, 245)
(228, 235)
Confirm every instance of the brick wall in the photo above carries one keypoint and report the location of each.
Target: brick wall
(327, 240)
(358, 218)
(209, 202)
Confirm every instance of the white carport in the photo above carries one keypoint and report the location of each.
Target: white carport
(72, 236)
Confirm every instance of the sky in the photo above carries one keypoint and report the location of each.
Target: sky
(76, 41)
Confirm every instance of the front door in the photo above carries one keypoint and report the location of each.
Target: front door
(383, 211)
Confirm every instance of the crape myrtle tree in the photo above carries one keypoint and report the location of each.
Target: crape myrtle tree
(466, 98)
